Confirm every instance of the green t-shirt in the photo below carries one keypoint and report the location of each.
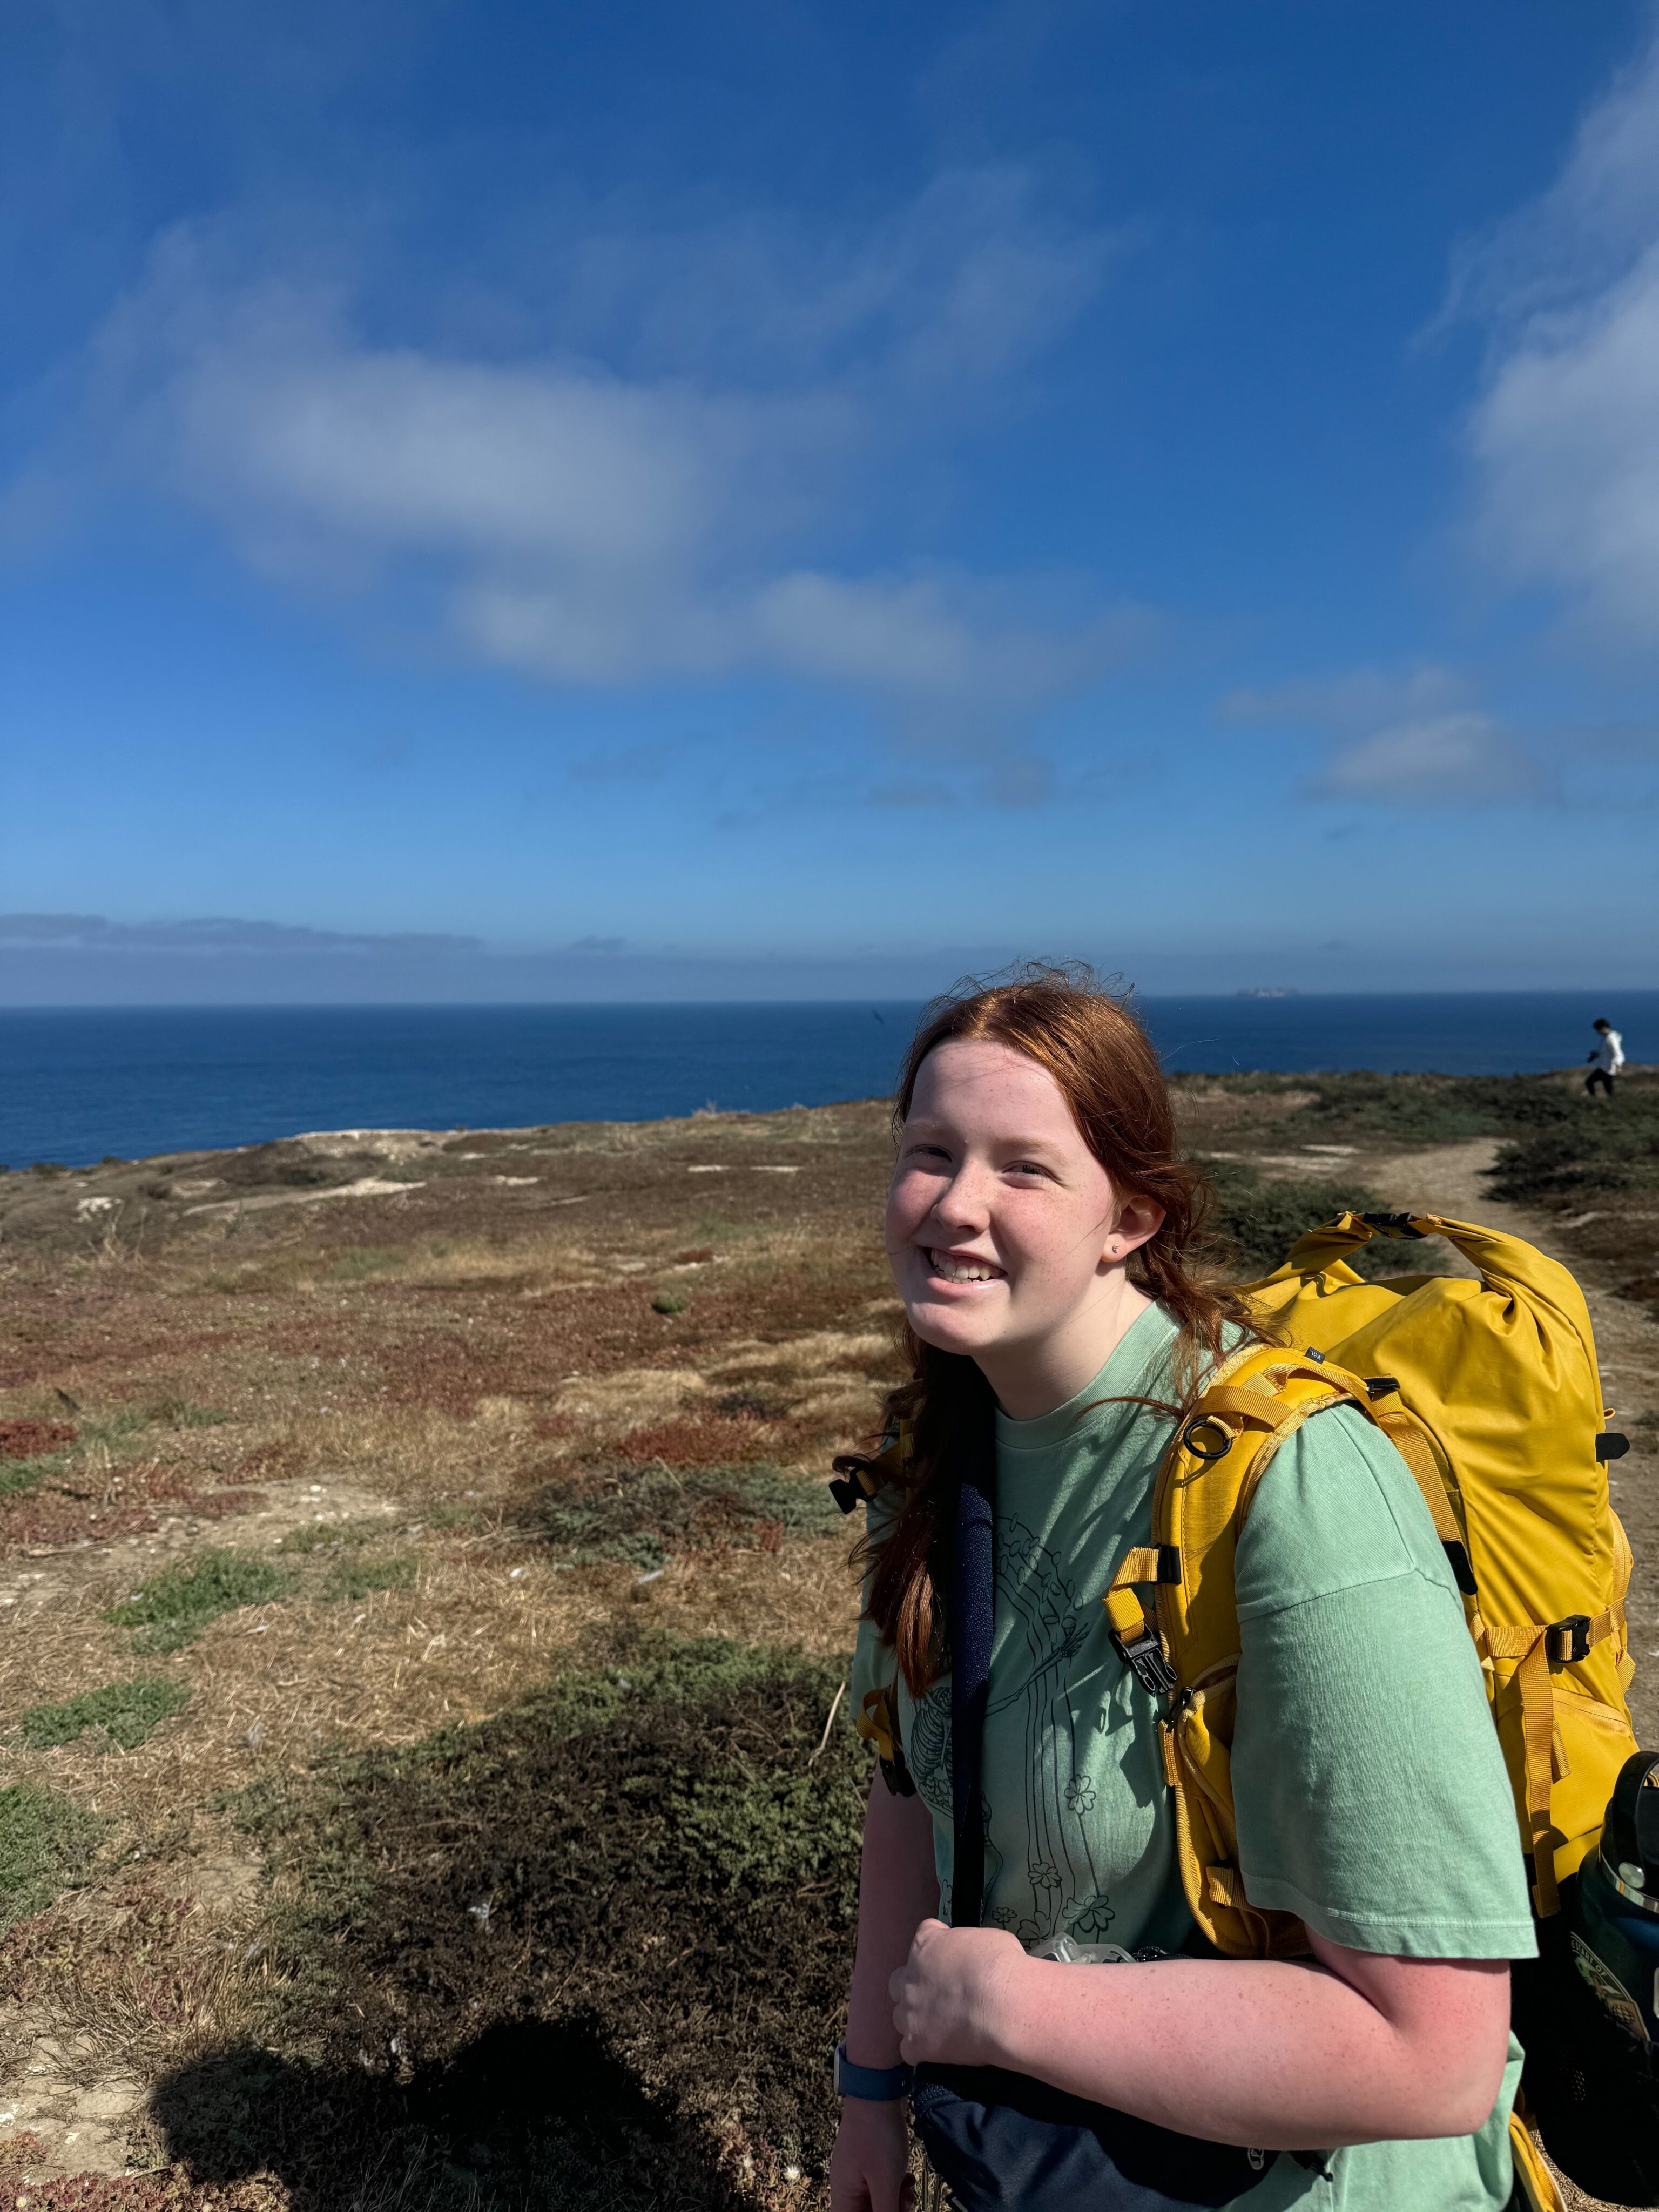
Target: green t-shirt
(1371, 1793)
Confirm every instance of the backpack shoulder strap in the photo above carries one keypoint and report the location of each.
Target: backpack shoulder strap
(1173, 1614)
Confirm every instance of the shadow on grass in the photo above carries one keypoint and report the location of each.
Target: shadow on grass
(592, 1952)
(533, 2112)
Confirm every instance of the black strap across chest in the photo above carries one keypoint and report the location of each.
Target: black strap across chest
(973, 1612)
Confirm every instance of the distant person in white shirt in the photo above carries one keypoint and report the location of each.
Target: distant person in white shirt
(1607, 1059)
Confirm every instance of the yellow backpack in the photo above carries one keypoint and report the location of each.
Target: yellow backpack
(1490, 1390)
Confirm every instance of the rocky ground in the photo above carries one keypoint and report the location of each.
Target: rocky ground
(423, 1773)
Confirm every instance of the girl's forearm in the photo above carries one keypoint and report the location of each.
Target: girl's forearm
(1284, 2056)
(898, 1889)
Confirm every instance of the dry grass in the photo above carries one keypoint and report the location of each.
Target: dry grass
(416, 1371)
(401, 1377)
(272, 1684)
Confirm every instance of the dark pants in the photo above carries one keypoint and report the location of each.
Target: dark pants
(1598, 1075)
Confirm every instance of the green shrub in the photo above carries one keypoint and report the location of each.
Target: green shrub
(333, 1536)
(1258, 1219)
(363, 1578)
(124, 1713)
(640, 1515)
(173, 1608)
(655, 1840)
(1418, 1109)
(1595, 1145)
(46, 1844)
(180, 1413)
(671, 1302)
(115, 1428)
(19, 1475)
(1422, 1110)
(363, 1262)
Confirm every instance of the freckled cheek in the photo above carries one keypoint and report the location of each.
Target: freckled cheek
(909, 1203)
(1043, 1267)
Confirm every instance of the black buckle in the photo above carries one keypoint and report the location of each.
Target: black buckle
(896, 1775)
(1576, 1628)
(1145, 1660)
(848, 1489)
(1462, 1573)
(1611, 1445)
(1392, 1225)
(1380, 1386)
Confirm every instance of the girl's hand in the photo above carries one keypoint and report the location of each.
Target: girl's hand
(949, 1994)
(867, 2166)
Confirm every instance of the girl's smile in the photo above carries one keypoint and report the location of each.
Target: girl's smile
(962, 1266)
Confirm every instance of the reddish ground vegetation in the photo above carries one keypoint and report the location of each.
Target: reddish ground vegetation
(169, 2190)
(698, 1440)
(28, 1440)
(54, 1516)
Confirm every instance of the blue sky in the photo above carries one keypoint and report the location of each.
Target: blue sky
(811, 498)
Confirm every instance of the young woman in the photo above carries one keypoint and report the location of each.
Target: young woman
(1039, 1227)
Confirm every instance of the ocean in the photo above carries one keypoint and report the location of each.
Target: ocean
(77, 1085)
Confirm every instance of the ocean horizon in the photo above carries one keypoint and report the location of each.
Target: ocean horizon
(79, 1083)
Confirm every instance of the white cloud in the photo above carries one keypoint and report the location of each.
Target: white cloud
(1360, 701)
(650, 512)
(1415, 738)
(1565, 437)
(961, 284)
(1460, 757)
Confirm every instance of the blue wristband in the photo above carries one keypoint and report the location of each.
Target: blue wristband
(880, 2085)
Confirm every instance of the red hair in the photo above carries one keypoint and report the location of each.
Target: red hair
(1087, 1037)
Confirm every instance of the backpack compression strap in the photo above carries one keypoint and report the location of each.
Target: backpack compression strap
(1539, 1648)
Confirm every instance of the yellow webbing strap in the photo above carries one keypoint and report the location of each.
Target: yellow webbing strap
(875, 1723)
(1537, 1644)
(1412, 1446)
(1536, 2184)
(1125, 1611)
(1246, 1403)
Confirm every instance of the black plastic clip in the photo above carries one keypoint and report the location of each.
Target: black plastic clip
(896, 1775)
(1576, 1630)
(1462, 1573)
(1145, 1659)
(1380, 1386)
(849, 1489)
(1169, 1563)
(1392, 1225)
(1611, 1445)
